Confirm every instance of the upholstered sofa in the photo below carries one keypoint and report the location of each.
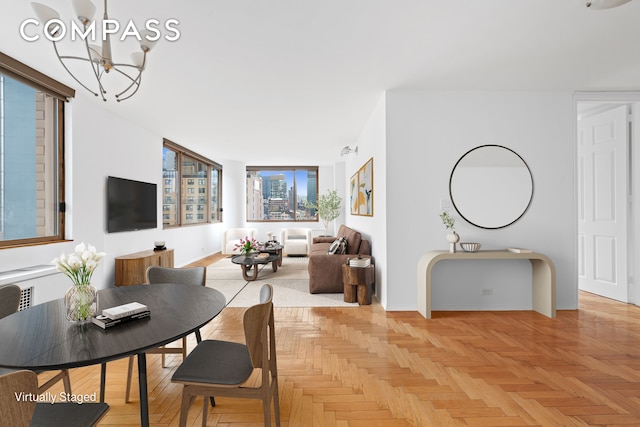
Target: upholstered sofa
(325, 270)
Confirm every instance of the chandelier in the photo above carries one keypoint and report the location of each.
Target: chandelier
(99, 58)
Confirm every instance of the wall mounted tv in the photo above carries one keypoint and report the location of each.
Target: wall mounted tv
(131, 205)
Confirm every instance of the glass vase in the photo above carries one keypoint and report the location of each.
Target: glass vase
(81, 302)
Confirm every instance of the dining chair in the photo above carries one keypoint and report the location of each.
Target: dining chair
(224, 368)
(10, 296)
(20, 409)
(183, 276)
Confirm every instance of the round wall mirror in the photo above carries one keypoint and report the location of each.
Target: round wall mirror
(491, 186)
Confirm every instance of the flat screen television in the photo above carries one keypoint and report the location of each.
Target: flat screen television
(131, 205)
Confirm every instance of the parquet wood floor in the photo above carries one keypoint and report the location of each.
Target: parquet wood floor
(364, 367)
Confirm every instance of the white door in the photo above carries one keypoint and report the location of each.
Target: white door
(602, 203)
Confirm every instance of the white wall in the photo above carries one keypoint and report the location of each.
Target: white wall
(126, 151)
(99, 144)
(426, 134)
(372, 143)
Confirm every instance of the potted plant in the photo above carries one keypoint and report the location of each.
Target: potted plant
(449, 223)
(327, 207)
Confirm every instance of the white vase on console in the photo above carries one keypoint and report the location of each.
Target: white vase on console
(453, 238)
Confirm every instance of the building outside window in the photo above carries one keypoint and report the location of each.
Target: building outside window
(31, 160)
(189, 173)
(282, 193)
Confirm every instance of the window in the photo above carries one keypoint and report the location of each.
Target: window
(183, 173)
(31, 154)
(281, 194)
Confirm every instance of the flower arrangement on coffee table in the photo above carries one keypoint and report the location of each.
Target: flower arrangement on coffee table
(247, 246)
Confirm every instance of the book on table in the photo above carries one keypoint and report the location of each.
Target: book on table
(105, 323)
(359, 262)
(124, 310)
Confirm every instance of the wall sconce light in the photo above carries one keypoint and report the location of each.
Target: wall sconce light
(605, 4)
(348, 150)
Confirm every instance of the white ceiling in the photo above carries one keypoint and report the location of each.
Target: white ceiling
(293, 81)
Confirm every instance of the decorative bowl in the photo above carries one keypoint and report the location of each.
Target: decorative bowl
(470, 246)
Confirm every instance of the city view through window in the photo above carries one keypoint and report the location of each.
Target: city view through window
(30, 167)
(191, 187)
(282, 194)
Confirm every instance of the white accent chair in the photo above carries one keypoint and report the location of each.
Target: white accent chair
(296, 241)
(231, 237)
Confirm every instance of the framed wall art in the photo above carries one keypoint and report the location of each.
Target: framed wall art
(361, 190)
(353, 194)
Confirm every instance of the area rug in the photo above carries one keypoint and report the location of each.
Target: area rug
(290, 285)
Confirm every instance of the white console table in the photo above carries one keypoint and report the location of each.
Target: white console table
(542, 270)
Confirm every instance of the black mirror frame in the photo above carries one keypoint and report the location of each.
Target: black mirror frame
(481, 226)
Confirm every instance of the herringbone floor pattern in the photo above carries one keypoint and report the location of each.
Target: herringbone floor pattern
(362, 366)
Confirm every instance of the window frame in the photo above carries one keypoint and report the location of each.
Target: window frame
(211, 166)
(293, 169)
(61, 93)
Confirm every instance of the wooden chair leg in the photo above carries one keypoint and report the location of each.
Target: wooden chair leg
(62, 375)
(266, 409)
(129, 375)
(205, 411)
(276, 404)
(187, 399)
(66, 381)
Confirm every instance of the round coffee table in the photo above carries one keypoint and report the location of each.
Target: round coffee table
(273, 248)
(250, 264)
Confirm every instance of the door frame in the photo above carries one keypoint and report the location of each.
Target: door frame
(633, 225)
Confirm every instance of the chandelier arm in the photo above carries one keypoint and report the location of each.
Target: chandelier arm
(127, 65)
(134, 82)
(74, 57)
(95, 67)
(130, 95)
(55, 47)
(102, 62)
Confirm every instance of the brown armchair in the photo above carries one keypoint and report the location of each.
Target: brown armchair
(325, 270)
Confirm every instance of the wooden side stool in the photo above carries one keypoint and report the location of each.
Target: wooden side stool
(358, 283)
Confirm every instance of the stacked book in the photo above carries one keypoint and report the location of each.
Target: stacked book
(359, 262)
(121, 314)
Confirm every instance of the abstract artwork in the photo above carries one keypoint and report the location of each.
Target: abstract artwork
(361, 190)
(353, 194)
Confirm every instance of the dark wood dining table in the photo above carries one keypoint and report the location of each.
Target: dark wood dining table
(40, 338)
